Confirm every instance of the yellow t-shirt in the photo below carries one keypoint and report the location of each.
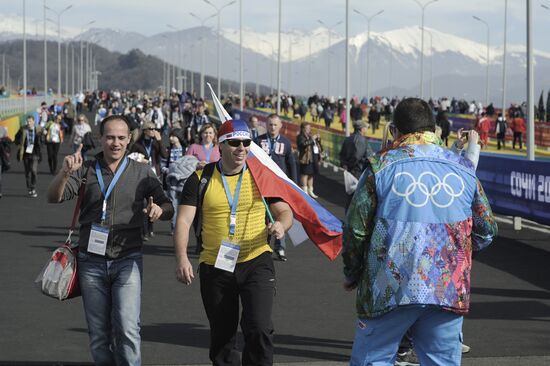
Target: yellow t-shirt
(250, 230)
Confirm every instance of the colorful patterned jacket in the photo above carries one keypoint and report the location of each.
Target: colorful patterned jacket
(418, 213)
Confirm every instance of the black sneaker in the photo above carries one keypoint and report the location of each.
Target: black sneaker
(407, 358)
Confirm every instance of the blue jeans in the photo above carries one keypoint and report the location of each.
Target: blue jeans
(436, 335)
(111, 293)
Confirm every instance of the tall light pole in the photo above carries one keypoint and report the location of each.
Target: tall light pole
(73, 92)
(279, 57)
(59, 13)
(348, 94)
(24, 57)
(180, 58)
(329, 30)
(504, 61)
(202, 21)
(530, 85)
(45, 54)
(368, 19)
(81, 86)
(241, 60)
(423, 7)
(486, 59)
(67, 67)
(218, 14)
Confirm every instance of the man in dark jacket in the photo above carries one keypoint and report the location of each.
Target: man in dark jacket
(279, 148)
(355, 152)
(110, 260)
(28, 140)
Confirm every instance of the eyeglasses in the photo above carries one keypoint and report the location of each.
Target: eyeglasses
(237, 143)
(149, 129)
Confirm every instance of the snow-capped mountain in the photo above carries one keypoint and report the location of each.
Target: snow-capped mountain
(453, 66)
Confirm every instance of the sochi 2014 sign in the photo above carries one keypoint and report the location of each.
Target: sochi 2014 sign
(517, 187)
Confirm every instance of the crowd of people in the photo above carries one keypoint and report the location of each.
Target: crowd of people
(165, 158)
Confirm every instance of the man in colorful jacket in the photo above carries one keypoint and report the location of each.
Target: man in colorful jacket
(416, 217)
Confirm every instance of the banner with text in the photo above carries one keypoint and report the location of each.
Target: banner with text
(517, 187)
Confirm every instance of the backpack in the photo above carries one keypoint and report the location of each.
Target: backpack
(206, 175)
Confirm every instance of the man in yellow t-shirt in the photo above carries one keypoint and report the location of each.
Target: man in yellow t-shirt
(235, 260)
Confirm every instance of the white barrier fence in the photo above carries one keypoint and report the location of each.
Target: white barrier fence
(13, 106)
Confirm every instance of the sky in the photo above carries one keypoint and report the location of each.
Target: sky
(450, 16)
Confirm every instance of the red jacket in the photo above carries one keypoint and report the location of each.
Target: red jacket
(484, 125)
(518, 125)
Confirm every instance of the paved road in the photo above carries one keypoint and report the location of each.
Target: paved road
(509, 323)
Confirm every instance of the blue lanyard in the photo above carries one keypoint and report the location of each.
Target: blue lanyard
(233, 201)
(208, 152)
(107, 193)
(30, 137)
(148, 148)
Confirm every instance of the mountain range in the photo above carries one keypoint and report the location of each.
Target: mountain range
(453, 66)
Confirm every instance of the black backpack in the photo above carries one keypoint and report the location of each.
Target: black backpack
(206, 175)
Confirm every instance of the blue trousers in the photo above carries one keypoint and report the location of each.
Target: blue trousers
(436, 334)
(111, 293)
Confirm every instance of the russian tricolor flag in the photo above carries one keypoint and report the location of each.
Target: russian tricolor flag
(321, 226)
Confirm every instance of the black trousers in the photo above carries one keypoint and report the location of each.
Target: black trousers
(30, 162)
(254, 283)
(53, 150)
(517, 137)
(501, 140)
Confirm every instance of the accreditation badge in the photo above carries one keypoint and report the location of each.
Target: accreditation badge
(29, 149)
(97, 244)
(227, 256)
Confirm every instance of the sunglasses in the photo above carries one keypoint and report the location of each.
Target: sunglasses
(237, 143)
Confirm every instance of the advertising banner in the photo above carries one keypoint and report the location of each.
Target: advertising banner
(517, 187)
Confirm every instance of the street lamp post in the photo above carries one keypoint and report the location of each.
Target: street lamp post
(218, 14)
(504, 61)
(368, 19)
(423, 7)
(24, 57)
(45, 54)
(530, 85)
(329, 30)
(486, 59)
(81, 80)
(180, 60)
(59, 13)
(202, 21)
(280, 17)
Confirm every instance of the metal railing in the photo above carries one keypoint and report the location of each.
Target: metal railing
(14, 106)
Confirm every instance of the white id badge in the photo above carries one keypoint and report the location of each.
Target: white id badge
(315, 149)
(29, 149)
(227, 256)
(98, 239)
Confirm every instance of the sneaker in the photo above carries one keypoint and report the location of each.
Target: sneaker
(34, 194)
(407, 358)
(281, 255)
(465, 348)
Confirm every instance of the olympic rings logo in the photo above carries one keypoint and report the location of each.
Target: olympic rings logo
(429, 193)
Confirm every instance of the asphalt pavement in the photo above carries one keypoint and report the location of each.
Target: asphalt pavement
(509, 322)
